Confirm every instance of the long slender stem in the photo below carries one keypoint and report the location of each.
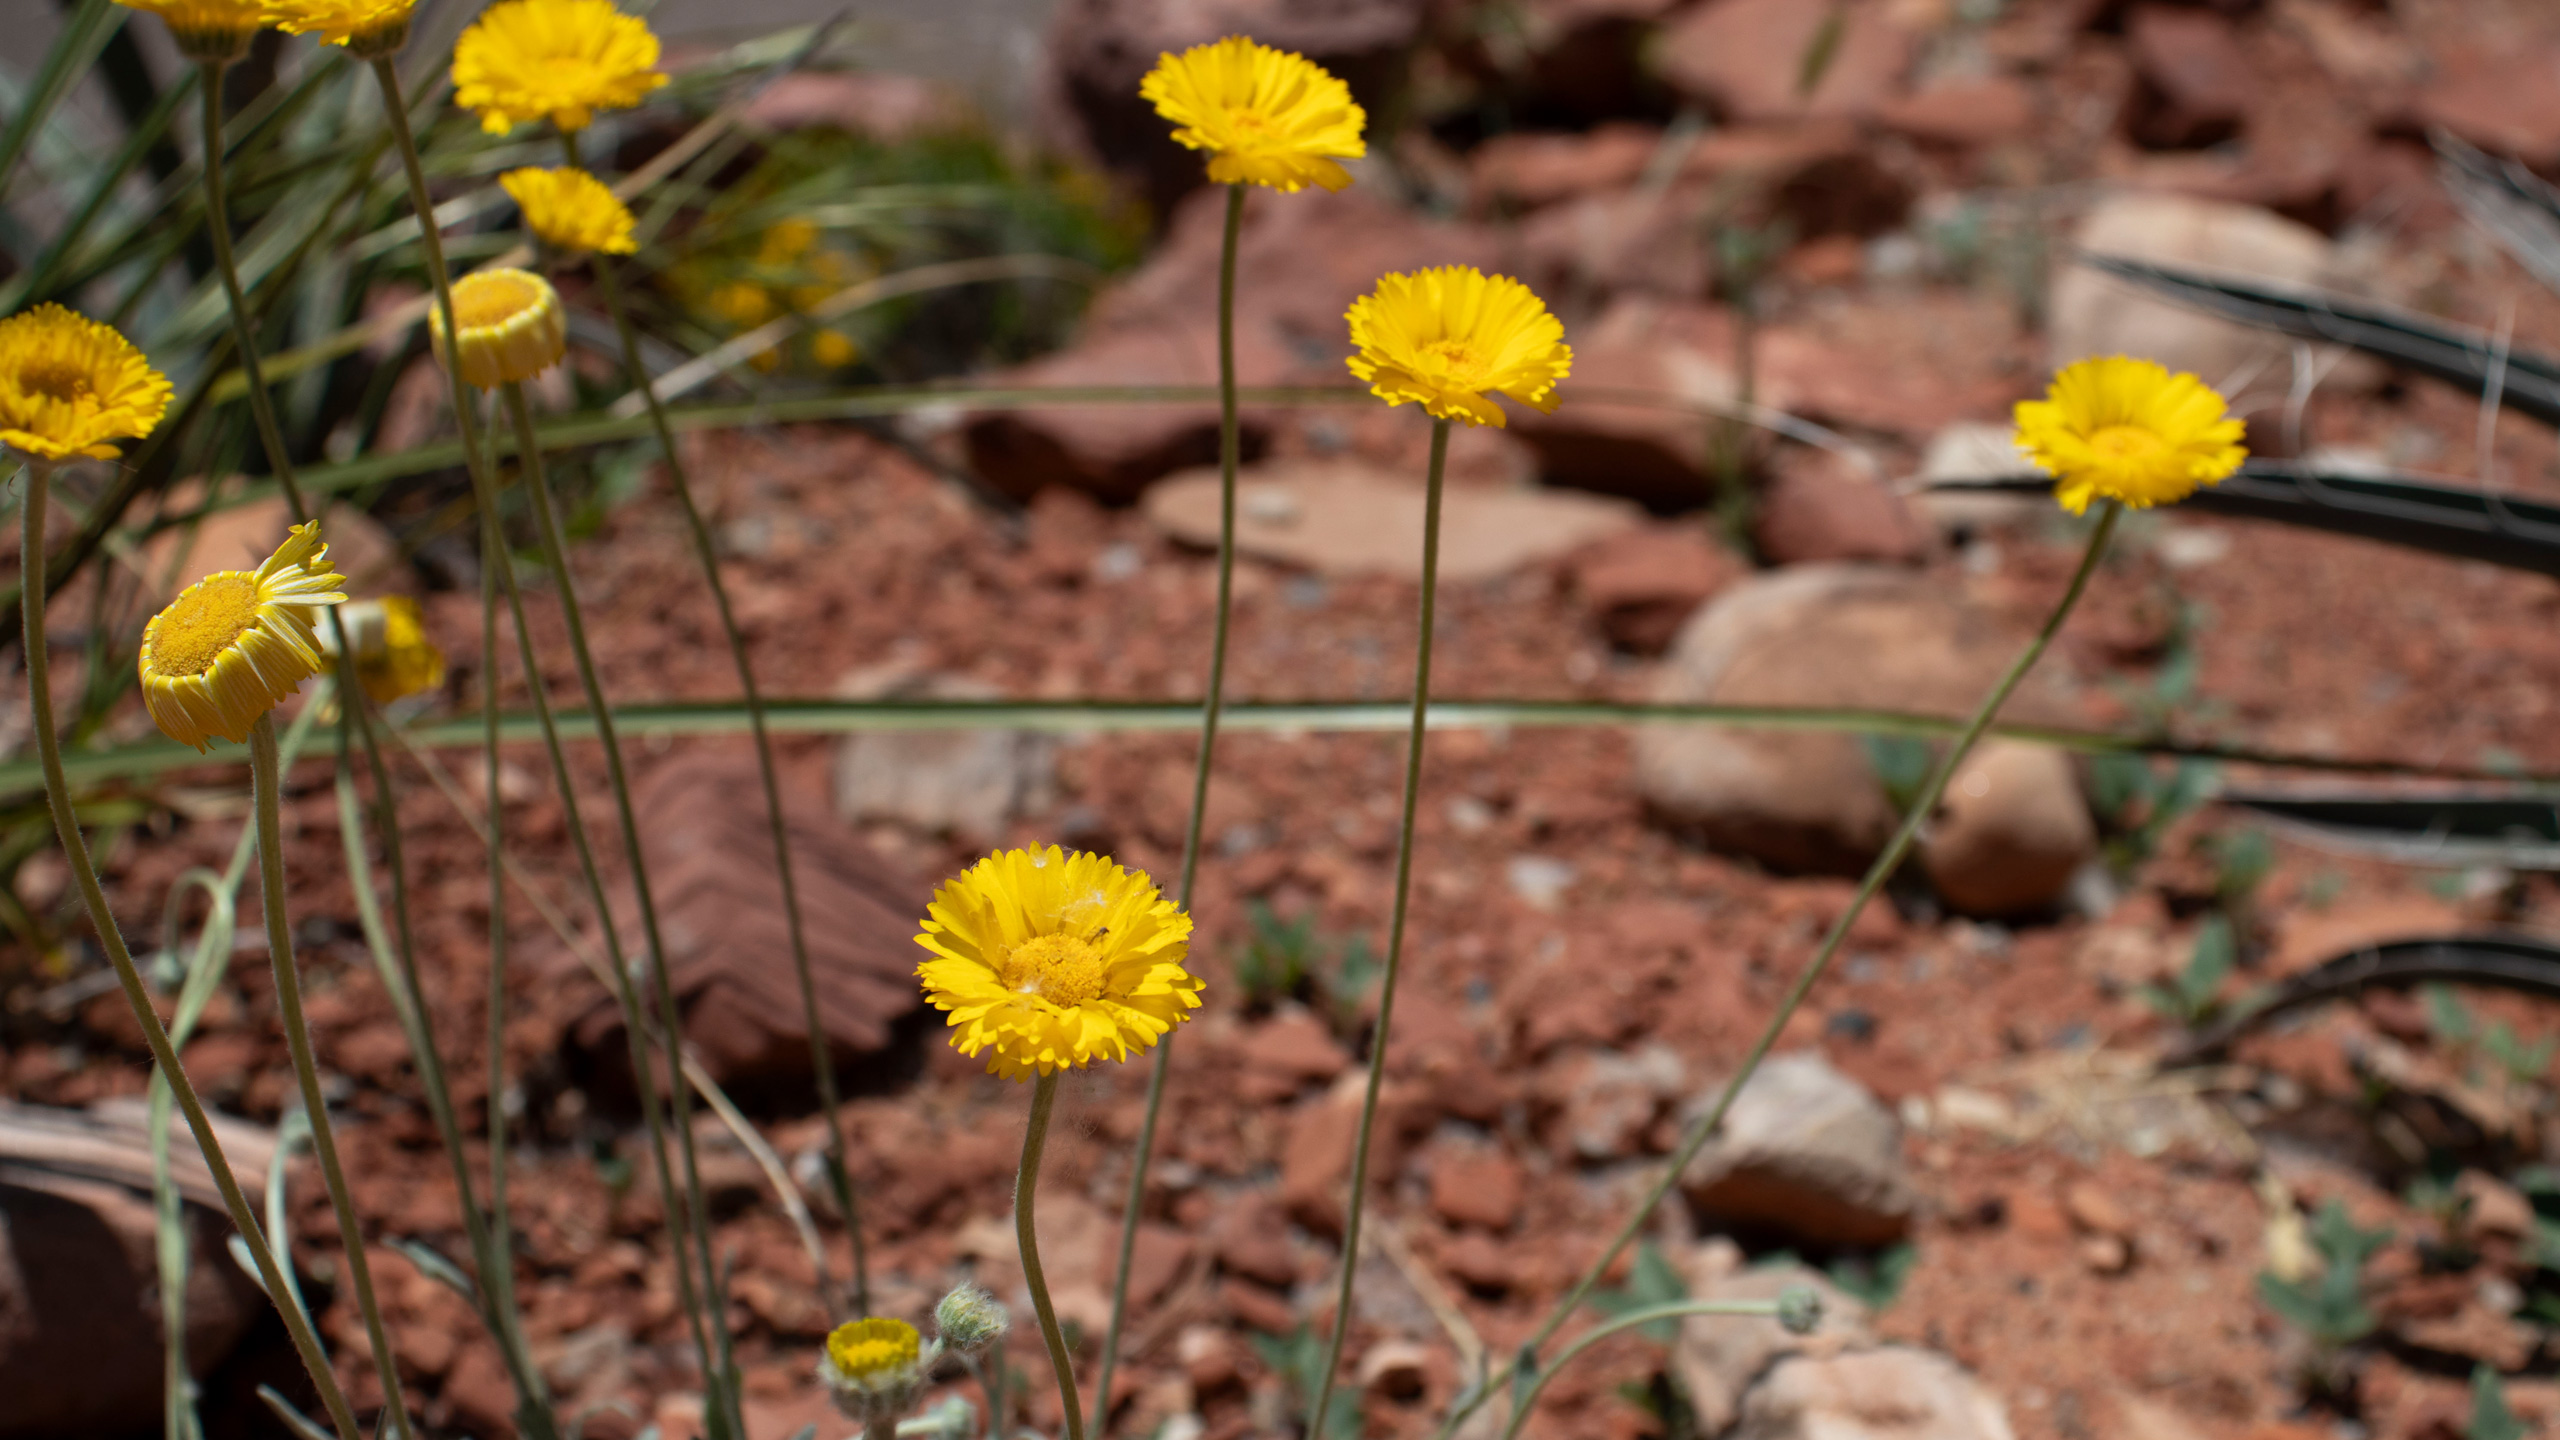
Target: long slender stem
(1395, 932)
(555, 554)
(821, 1056)
(75, 847)
(497, 1265)
(1617, 1325)
(217, 225)
(1026, 1184)
(1212, 705)
(1882, 870)
(266, 782)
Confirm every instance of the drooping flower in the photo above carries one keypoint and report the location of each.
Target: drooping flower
(233, 645)
(511, 323)
(207, 30)
(1051, 961)
(2128, 430)
(873, 1368)
(560, 60)
(1452, 337)
(70, 385)
(368, 28)
(394, 657)
(571, 210)
(1266, 117)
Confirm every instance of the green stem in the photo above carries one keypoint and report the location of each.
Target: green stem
(266, 783)
(1675, 1310)
(1035, 1138)
(1395, 933)
(75, 847)
(533, 1407)
(1879, 872)
(217, 225)
(555, 554)
(1230, 452)
(821, 1056)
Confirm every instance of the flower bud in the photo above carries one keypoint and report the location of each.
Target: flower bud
(1799, 1309)
(511, 323)
(969, 1319)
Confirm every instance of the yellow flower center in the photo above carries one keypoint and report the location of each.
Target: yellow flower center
(1459, 365)
(57, 380)
(865, 1348)
(1060, 969)
(491, 298)
(2126, 442)
(194, 632)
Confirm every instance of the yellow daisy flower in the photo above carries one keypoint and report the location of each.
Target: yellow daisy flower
(233, 645)
(1450, 336)
(2124, 429)
(571, 210)
(215, 30)
(394, 657)
(512, 326)
(69, 385)
(873, 1368)
(368, 28)
(1053, 961)
(561, 60)
(1267, 117)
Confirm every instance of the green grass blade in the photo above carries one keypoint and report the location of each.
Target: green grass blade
(74, 50)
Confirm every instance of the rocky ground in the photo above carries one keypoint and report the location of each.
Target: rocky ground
(2028, 1220)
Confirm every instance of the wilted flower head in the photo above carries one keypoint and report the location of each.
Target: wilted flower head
(2128, 430)
(1266, 117)
(556, 60)
(394, 657)
(69, 385)
(1452, 337)
(1053, 961)
(511, 323)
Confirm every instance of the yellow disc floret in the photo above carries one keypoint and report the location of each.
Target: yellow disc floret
(69, 385)
(368, 28)
(511, 323)
(571, 210)
(1450, 338)
(1050, 961)
(556, 60)
(1266, 117)
(216, 30)
(863, 1349)
(233, 645)
(2128, 430)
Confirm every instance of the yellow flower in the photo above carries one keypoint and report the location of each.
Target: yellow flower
(786, 241)
(1053, 961)
(236, 643)
(833, 349)
(394, 657)
(873, 1368)
(368, 28)
(512, 326)
(1447, 337)
(561, 60)
(2124, 429)
(69, 385)
(571, 210)
(865, 1348)
(1267, 117)
(216, 30)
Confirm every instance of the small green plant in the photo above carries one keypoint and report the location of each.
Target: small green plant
(1902, 764)
(2195, 995)
(2328, 1306)
(1299, 1360)
(2491, 1417)
(1876, 1280)
(1294, 960)
(1651, 1281)
(2458, 1030)
(2242, 860)
(2139, 802)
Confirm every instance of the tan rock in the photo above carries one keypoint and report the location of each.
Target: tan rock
(2097, 314)
(1745, 57)
(1642, 586)
(1891, 1393)
(959, 782)
(1718, 1357)
(2010, 831)
(1805, 1150)
(1817, 507)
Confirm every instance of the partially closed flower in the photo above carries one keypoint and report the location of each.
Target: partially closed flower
(556, 60)
(70, 386)
(511, 323)
(368, 28)
(1266, 117)
(874, 1368)
(233, 645)
(1453, 337)
(218, 31)
(2128, 430)
(570, 210)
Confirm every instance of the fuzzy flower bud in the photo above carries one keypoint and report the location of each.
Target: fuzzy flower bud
(969, 1319)
(1799, 1309)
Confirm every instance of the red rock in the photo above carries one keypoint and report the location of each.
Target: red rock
(1641, 586)
(1652, 452)
(1746, 58)
(1483, 1190)
(1825, 260)
(1315, 1164)
(719, 907)
(1294, 1046)
(1210, 1358)
(1814, 508)
(2201, 81)
(1527, 169)
(1251, 1238)
(1990, 111)
(2095, 1209)
(1257, 1308)
(1480, 1261)
(478, 1393)
(2505, 101)
(1611, 242)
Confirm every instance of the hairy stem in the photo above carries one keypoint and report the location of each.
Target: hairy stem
(1395, 933)
(1230, 450)
(1026, 1183)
